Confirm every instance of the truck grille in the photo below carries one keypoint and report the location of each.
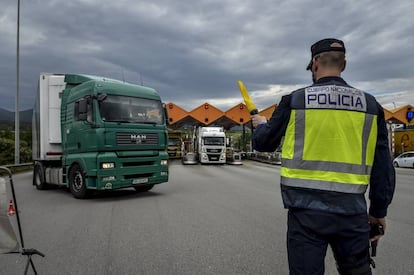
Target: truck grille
(216, 151)
(136, 139)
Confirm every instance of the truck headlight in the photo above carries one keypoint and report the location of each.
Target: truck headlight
(107, 165)
(164, 162)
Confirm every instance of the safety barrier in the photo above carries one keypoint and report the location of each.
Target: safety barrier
(271, 158)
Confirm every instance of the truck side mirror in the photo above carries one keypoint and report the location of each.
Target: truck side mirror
(82, 109)
(167, 120)
(102, 97)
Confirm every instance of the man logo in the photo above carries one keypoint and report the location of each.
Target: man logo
(138, 139)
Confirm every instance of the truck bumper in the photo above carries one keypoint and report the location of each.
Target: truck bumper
(130, 171)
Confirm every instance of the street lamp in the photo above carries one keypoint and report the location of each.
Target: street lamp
(17, 112)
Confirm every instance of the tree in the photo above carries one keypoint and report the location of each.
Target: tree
(6, 151)
(7, 147)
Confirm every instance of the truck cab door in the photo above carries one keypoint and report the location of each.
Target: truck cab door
(80, 134)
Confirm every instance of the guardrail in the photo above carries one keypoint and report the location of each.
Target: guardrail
(18, 167)
(270, 158)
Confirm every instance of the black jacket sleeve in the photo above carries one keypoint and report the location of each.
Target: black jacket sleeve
(267, 137)
(382, 183)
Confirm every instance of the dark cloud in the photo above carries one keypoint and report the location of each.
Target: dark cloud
(195, 51)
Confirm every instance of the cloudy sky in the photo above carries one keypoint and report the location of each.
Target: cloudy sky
(194, 51)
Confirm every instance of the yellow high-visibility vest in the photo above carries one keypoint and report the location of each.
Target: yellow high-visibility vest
(330, 144)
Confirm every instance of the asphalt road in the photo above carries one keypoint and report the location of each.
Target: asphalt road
(205, 220)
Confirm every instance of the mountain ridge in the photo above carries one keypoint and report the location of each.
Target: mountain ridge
(8, 116)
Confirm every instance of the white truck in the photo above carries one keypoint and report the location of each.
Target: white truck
(211, 145)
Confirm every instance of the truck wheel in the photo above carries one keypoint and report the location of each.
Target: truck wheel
(39, 177)
(77, 183)
(143, 188)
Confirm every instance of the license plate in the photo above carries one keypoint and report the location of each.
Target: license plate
(140, 181)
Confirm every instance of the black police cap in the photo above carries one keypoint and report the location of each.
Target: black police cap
(326, 45)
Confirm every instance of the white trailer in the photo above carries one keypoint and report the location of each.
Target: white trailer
(47, 139)
(211, 145)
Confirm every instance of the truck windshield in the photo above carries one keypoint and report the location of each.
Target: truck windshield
(173, 142)
(214, 141)
(116, 108)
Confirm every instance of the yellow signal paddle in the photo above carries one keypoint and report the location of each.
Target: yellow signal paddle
(249, 102)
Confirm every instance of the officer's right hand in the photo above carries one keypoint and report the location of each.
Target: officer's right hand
(380, 221)
(257, 119)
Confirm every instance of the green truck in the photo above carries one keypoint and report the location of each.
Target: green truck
(94, 133)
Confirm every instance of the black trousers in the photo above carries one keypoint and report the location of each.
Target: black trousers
(310, 232)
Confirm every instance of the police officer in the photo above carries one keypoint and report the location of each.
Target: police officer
(335, 145)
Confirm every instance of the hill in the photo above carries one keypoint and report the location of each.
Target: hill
(8, 116)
